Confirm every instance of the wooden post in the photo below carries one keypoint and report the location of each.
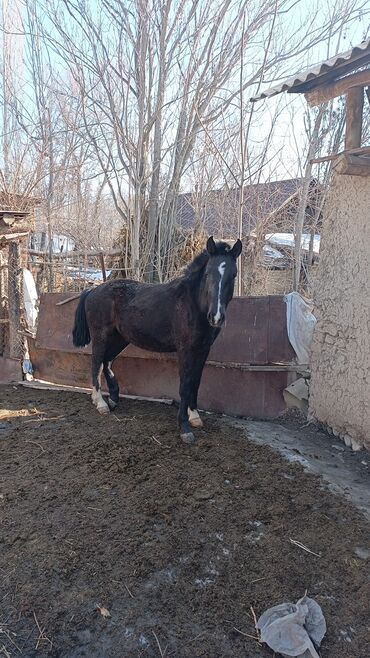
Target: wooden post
(2, 302)
(354, 109)
(14, 301)
(104, 273)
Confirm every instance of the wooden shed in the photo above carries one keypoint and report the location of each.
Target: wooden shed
(340, 360)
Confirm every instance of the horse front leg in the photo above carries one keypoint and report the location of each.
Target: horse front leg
(97, 365)
(186, 371)
(112, 385)
(193, 414)
(116, 345)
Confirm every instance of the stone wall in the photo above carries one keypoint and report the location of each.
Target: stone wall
(340, 385)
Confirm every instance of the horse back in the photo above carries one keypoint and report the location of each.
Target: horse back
(146, 315)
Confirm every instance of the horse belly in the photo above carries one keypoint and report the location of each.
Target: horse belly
(146, 332)
(146, 341)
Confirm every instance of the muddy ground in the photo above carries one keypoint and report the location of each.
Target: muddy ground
(177, 542)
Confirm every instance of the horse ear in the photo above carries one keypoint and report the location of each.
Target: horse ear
(236, 250)
(211, 246)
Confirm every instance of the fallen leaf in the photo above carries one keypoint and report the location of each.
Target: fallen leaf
(104, 612)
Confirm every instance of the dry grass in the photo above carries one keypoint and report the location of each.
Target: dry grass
(7, 414)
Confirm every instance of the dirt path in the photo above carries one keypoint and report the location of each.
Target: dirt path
(177, 542)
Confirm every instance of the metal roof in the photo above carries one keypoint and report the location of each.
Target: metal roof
(324, 72)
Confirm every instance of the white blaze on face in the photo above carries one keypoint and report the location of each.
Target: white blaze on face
(221, 269)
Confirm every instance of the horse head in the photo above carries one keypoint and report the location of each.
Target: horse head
(219, 278)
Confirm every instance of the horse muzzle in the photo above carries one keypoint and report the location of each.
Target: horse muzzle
(216, 319)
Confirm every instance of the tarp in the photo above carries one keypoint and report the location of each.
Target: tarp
(30, 298)
(300, 325)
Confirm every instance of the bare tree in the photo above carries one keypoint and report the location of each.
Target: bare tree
(167, 71)
(124, 93)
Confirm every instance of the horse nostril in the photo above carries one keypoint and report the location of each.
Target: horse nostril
(216, 320)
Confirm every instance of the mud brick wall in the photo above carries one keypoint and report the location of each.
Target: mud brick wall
(340, 390)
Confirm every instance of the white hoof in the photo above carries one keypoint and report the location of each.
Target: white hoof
(98, 401)
(103, 409)
(194, 418)
(196, 422)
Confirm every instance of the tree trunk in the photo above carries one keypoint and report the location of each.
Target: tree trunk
(299, 222)
(157, 152)
(141, 159)
(310, 248)
(135, 239)
(49, 200)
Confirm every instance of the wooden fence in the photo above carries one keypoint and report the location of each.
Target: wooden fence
(73, 271)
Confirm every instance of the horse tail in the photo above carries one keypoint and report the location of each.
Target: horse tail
(81, 332)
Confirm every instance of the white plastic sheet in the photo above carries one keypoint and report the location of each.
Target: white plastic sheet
(300, 325)
(30, 299)
(293, 629)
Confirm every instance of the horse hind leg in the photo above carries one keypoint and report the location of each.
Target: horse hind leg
(97, 397)
(97, 369)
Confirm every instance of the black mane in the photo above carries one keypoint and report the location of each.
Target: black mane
(200, 261)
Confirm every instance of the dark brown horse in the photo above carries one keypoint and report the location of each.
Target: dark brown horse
(184, 316)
